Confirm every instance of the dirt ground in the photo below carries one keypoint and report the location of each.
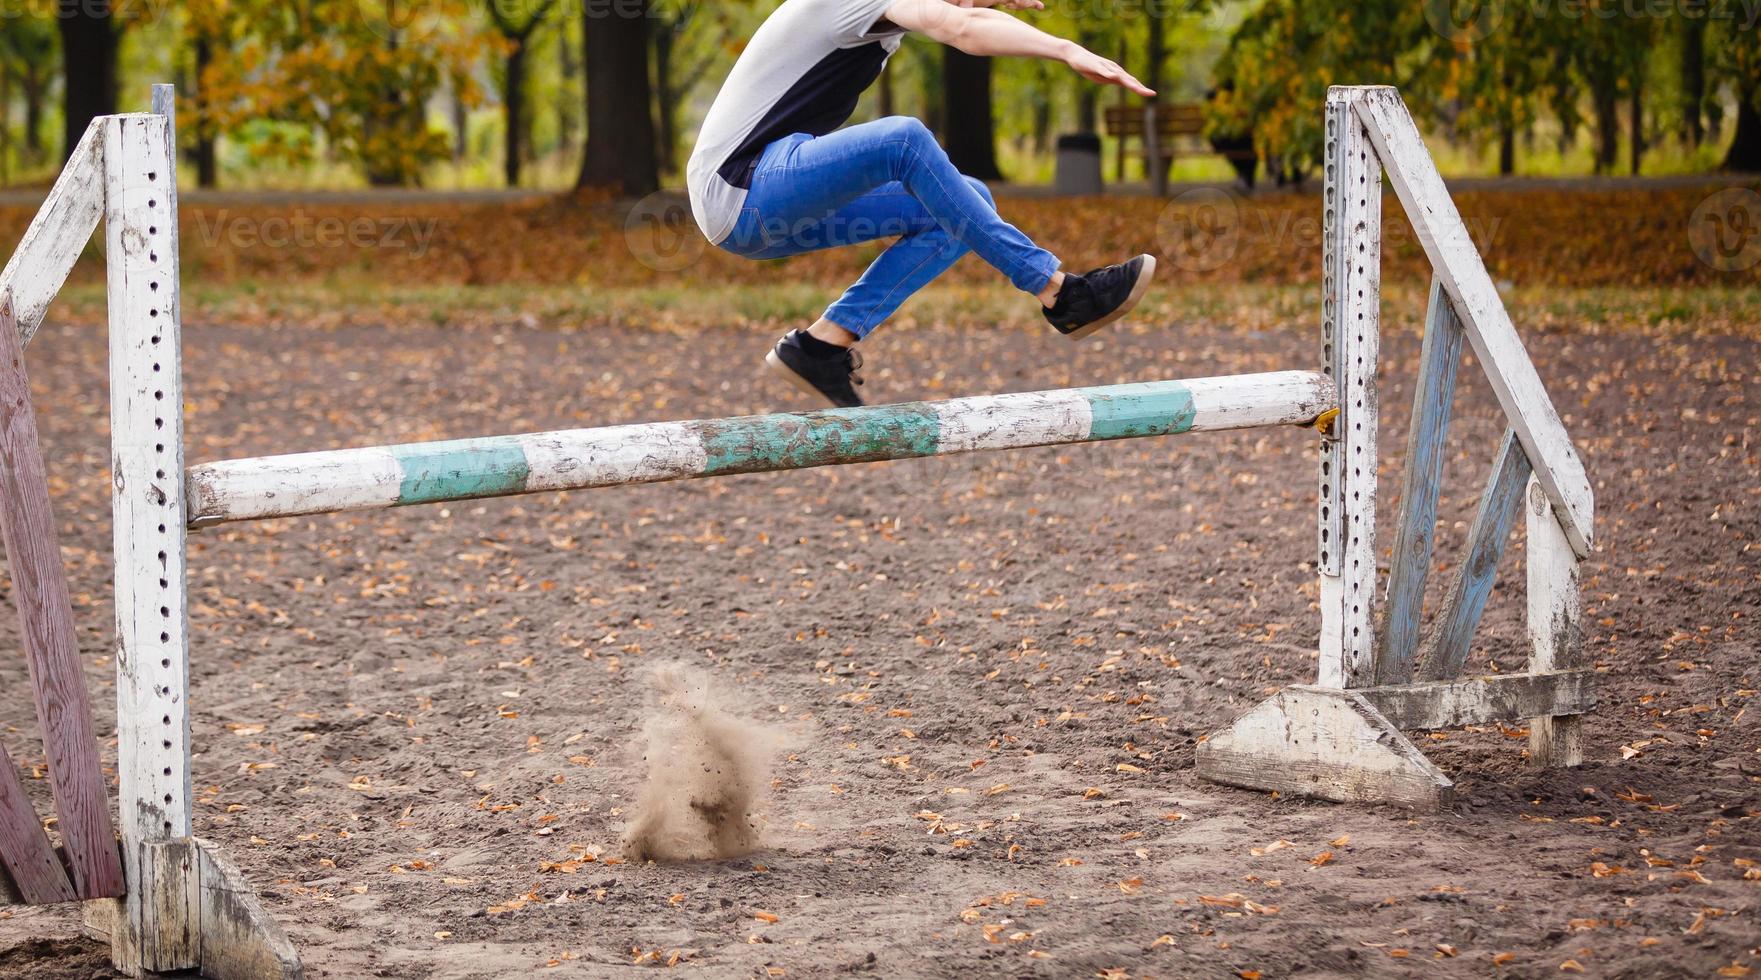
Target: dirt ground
(419, 731)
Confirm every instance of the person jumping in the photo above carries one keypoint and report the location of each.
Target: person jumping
(772, 175)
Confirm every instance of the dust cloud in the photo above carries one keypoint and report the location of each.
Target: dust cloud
(706, 773)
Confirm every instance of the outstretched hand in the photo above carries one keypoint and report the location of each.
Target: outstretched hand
(1001, 4)
(1098, 69)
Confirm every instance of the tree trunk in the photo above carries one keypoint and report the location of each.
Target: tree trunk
(1745, 148)
(5, 127)
(1693, 79)
(88, 58)
(1607, 128)
(461, 124)
(1636, 111)
(1506, 150)
(206, 156)
(36, 88)
(514, 100)
(569, 66)
(969, 124)
(1156, 158)
(1088, 97)
(929, 78)
(665, 99)
(620, 116)
(1042, 123)
(884, 94)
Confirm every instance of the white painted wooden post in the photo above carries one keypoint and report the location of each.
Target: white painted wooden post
(152, 663)
(1457, 263)
(1555, 626)
(57, 235)
(1352, 277)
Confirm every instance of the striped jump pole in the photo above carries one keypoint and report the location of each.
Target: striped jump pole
(433, 472)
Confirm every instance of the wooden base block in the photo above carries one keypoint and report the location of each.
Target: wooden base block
(1483, 700)
(208, 918)
(239, 939)
(1328, 744)
(1556, 742)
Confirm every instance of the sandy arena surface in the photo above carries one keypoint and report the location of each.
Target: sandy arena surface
(977, 683)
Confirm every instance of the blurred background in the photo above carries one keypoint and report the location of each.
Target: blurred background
(520, 161)
(558, 94)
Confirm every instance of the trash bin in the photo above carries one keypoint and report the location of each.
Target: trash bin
(1079, 164)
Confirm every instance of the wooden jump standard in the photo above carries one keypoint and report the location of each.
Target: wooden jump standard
(1380, 670)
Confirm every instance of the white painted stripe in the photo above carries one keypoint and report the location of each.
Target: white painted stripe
(588, 458)
(306, 483)
(1013, 421)
(1280, 398)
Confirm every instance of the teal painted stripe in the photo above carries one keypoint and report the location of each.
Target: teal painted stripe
(460, 470)
(839, 435)
(1157, 408)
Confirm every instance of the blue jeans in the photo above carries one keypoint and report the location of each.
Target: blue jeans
(884, 179)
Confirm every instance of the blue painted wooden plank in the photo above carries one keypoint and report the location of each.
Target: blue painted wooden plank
(1499, 507)
(1433, 403)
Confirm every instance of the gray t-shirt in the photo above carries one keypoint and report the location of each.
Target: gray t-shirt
(803, 72)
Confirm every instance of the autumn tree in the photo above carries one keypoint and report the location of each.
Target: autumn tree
(1496, 81)
(620, 151)
(1610, 48)
(968, 118)
(516, 37)
(1736, 61)
(27, 66)
(688, 43)
(90, 34)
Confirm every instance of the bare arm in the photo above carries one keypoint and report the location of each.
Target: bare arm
(994, 34)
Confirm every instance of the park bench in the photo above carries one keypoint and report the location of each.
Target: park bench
(1180, 130)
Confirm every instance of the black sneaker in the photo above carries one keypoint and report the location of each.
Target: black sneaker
(823, 370)
(1088, 302)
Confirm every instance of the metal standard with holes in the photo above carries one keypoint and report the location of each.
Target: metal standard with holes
(146, 418)
(1351, 336)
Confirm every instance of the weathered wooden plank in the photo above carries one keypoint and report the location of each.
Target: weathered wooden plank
(1457, 262)
(1481, 700)
(152, 618)
(1351, 315)
(390, 476)
(1556, 634)
(36, 875)
(239, 939)
(1433, 403)
(56, 236)
(170, 896)
(1499, 506)
(1324, 743)
(39, 581)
